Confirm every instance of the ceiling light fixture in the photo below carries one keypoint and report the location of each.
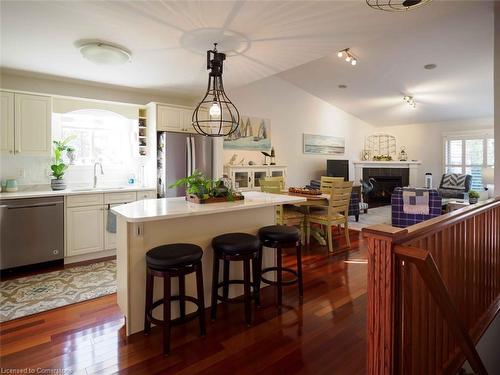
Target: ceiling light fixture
(104, 53)
(411, 102)
(396, 5)
(349, 57)
(430, 66)
(216, 115)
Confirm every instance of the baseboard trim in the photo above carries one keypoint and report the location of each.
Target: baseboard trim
(90, 256)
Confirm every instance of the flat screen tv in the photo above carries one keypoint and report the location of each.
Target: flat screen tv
(338, 168)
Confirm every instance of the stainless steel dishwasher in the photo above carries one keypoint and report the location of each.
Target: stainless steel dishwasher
(32, 231)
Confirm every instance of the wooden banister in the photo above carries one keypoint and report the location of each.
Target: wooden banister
(430, 274)
(433, 288)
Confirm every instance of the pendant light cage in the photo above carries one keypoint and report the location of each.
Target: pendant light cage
(215, 115)
(396, 5)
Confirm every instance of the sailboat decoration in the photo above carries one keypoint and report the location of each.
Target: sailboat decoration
(251, 134)
(262, 132)
(248, 129)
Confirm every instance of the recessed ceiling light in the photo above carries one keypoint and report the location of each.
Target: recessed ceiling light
(104, 53)
(430, 66)
(342, 86)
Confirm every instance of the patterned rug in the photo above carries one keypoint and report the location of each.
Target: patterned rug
(34, 294)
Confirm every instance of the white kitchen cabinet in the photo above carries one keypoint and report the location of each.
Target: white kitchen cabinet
(33, 125)
(146, 194)
(246, 177)
(169, 118)
(84, 230)
(7, 122)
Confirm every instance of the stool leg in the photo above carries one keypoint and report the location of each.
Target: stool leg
(201, 298)
(182, 294)
(166, 314)
(299, 270)
(256, 267)
(215, 281)
(247, 296)
(225, 278)
(279, 275)
(149, 301)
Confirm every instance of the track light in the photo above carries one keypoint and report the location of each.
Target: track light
(411, 102)
(349, 57)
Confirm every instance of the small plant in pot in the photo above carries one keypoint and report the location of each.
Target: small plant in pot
(59, 167)
(473, 197)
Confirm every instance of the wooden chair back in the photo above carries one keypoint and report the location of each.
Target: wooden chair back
(270, 186)
(280, 179)
(340, 196)
(326, 183)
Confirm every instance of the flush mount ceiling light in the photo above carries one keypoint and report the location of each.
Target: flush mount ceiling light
(411, 102)
(216, 115)
(104, 53)
(396, 5)
(430, 66)
(348, 56)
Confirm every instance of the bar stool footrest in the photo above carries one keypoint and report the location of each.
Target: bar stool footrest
(283, 282)
(239, 299)
(195, 314)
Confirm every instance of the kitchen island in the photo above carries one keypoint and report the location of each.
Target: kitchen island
(149, 223)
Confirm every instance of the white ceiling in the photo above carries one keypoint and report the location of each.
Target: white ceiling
(297, 40)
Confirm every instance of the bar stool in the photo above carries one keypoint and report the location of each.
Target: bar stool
(167, 261)
(279, 237)
(236, 247)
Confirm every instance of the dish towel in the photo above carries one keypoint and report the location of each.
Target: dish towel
(416, 201)
(111, 222)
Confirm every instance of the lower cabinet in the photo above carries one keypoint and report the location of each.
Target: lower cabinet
(84, 230)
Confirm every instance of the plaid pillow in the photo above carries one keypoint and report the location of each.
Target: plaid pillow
(453, 181)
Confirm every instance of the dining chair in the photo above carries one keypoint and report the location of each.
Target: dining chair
(284, 215)
(326, 183)
(335, 214)
(280, 179)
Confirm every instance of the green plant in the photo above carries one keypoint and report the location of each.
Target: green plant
(59, 168)
(203, 187)
(474, 194)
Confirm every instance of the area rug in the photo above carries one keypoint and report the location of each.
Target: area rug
(378, 215)
(33, 294)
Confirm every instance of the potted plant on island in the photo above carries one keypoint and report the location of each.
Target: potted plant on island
(473, 197)
(200, 189)
(59, 167)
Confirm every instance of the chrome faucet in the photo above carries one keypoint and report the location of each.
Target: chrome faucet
(95, 172)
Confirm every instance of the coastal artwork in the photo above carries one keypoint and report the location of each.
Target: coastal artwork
(252, 134)
(323, 144)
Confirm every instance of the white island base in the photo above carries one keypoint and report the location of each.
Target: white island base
(146, 224)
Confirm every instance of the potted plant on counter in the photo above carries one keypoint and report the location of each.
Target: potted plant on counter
(200, 189)
(473, 197)
(59, 167)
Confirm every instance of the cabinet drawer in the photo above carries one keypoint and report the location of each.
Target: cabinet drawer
(84, 200)
(146, 194)
(124, 197)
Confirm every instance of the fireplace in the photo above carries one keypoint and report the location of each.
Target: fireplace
(384, 181)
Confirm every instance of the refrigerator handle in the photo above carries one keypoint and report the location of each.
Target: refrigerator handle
(188, 149)
(193, 153)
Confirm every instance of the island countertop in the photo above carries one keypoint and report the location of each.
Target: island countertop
(170, 208)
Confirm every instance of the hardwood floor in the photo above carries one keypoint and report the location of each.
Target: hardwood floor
(326, 334)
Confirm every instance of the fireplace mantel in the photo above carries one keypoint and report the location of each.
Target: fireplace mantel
(413, 167)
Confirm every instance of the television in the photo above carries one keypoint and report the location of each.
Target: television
(338, 168)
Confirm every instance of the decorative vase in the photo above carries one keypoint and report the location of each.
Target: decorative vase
(58, 184)
(71, 157)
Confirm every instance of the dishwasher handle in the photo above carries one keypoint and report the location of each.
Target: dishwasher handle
(32, 205)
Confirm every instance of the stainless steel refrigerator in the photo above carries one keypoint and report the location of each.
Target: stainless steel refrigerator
(178, 156)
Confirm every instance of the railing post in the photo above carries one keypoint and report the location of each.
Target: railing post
(382, 298)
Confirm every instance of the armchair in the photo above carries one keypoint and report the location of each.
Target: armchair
(454, 185)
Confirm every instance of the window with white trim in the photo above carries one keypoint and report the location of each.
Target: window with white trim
(469, 154)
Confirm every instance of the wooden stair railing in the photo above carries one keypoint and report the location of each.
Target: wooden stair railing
(433, 289)
(430, 274)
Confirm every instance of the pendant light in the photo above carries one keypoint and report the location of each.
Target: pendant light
(216, 115)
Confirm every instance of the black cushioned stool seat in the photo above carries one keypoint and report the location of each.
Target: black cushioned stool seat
(279, 237)
(173, 255)
(236, 247)
(167, 261)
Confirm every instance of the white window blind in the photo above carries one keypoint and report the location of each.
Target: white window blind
(469, 154)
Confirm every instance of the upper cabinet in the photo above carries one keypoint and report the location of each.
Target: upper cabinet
(171, 118)
(26, 124)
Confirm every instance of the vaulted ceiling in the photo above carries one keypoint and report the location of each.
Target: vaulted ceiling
(297, 40)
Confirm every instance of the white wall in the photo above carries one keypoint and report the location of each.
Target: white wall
(424, 142)
(292, 112)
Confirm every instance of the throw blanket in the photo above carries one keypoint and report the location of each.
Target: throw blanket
(416, 201)
(453, 181)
